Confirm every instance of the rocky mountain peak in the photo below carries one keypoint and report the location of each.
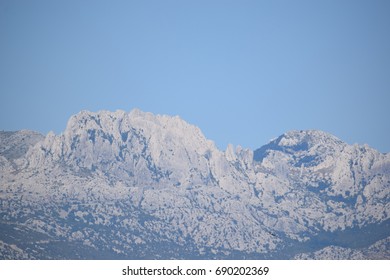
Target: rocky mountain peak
(120, 123)
(127, 145)
(301, 142)
(306, 139)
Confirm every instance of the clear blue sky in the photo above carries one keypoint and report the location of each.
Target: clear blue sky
(243, 71)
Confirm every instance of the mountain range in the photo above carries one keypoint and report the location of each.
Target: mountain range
(119, 185)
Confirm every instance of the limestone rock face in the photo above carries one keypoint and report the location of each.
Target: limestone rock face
(143, 186)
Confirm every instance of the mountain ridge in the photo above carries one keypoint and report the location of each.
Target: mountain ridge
(158, 181)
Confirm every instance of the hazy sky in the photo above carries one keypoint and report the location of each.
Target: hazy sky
(243, 71)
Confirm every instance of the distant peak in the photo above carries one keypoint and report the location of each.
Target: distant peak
(295, 138)
(120, 121)
(300, 140)
(137, 113)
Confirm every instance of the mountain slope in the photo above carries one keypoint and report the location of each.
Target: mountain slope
(138, 185)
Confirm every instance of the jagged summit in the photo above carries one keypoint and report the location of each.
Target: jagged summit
(126, 145)
(119, 123)
(119, 115)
